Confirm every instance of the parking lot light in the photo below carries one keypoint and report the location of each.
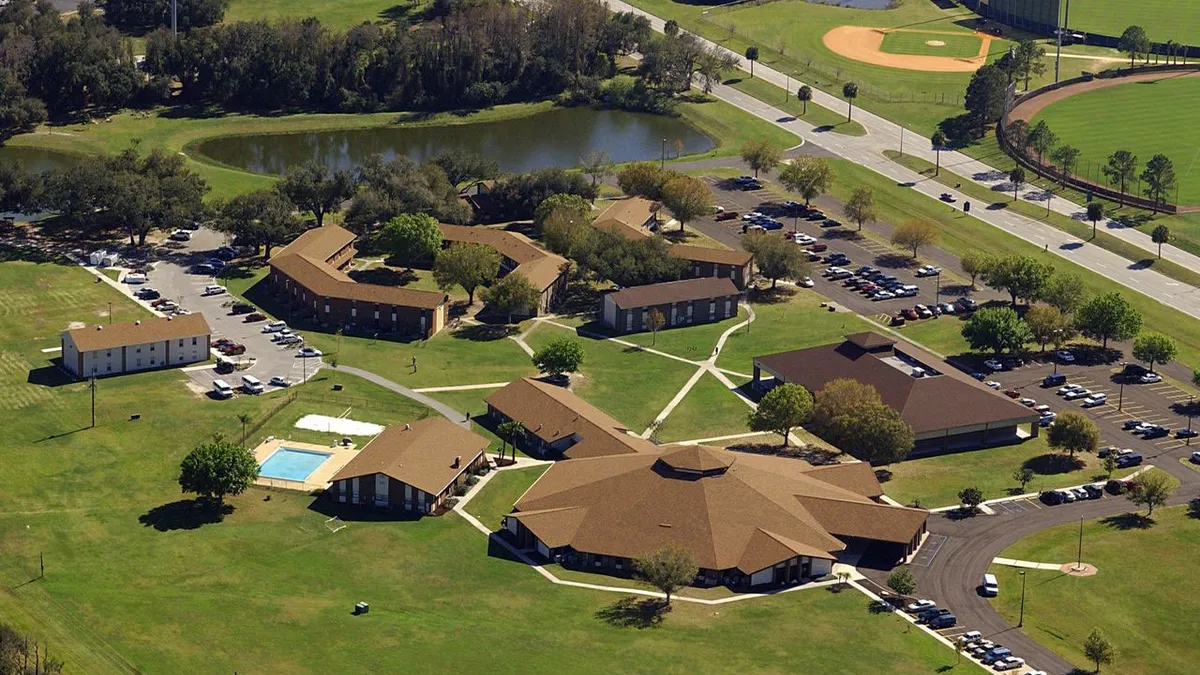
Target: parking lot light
(1121, 394)
(1191, 413)
(1021, 620)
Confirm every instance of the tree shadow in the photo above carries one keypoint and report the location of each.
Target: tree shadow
(879, 607)
(632, 612)
(383, 276)
(484, 332)
(895, 260)
(883, 475)
(1129, 521)
(771, 296)
(185, 514)
(1193, 510)
(1053, 463)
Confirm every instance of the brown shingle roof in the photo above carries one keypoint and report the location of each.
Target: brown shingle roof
(141, 331)
(540, 267)
(719, 256)
(948, 400)
(552, 413)
(319, 243)
(747, 512)
(421, 455)
(628, 216)
(326, 281)
(674, 291)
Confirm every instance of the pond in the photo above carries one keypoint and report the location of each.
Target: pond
(559, 137)
(38, 160)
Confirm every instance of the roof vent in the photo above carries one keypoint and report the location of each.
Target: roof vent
(457, 461)
(138, 322)
(664, 524)
(99, 327)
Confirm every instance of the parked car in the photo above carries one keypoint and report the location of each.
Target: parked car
(1095, 400)
(213, 289)
(180, 235)
(241, 308)
(1068, 388)
(1051, 497)
(202, 268)
(727, 215)
(992, 384)
(831, 222)
(1150, 378)
(924, 311)
(1186, 433)
(930, 614)
(943, 621)
(280, 381)
(1195, 457)
(965, 304)
(1094, 490)
(928, 271)
(947, 308)
(217, 263)
(226, 253)
(135, 278)
(1107, 450)
(1041, 409)
(1118, 486)
(1130, 425)
(274, 327)
(1156, 431)
(910, 314)
(1077, 394)
(1028, 402)
(806, 282)
(996, 654)
(254, 316)
(1081, 495)
(1054, 380)
(220, 342)
(818, 248)
(1012, 393)
(234, 349)
(815, 214)
(883, 295)
(1065, 355)
(990, 588)
(1047, 419)
(1132, 459)
(920, 606)
(308, 352)
(1010, 663)
(993, 365)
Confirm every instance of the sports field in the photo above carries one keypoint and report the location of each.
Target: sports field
(1163, 20)
(959, 46)
(1149, 117)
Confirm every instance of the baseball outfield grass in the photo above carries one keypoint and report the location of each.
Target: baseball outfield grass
(921, 43)
(1163, 20)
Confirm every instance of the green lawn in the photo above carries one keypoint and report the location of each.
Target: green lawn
(708, 410)
(502, 491)
(813, 114)
(690, 342)
(917, 42)
(935, 481)
(731, 128)
(337, 15)
(1163, 19)
(631, 385)
(1139, 597)
(1116, 118)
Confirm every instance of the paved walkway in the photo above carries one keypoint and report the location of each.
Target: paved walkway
(1012, 562)
(461, 387)
(445, 410)
(882, 135)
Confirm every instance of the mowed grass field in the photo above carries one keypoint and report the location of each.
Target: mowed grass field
(1145, 118)
(1163, 20)
(1139, 597)
(917, 42)
(135, 581)
(340, 15)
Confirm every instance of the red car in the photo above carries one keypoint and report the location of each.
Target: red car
(1012, 393)
(727, 215)
(256, 316)
(220, 342)
(911, 314)
(818, 248)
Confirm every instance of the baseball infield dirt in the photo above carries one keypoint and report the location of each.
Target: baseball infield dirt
(862, 44)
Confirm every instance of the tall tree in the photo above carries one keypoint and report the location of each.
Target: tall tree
(512, 295)
(850, 92)
(1108, 316)
(314, 188)
(1151, 489)
(783, 408)
(1161, 234)
(1134, 42)
(467, 265)
(996, 329)
(262, 218)
(668, 569)
(985, 97)
(752, 56)
(1065, 292)
(218, 468)
(1095, 213)
(571, 207)
(1016, 176)
(761, 155)
(563, 355)
(939, 141)
(1019, 275)
(1099, 649)
(1048, 325)
(1016, 134)
(1067, 158)
(509, 432)
(596, 164)
(776, 257)
(687, 199)
(913, 234)
(902, 581)
(1042, 140)
(463, 165)
(411, 238)
(1028, 62)
(1154, 348)
(1159, 178)
(1121, 169)
(973, 263)
(970, 498)
(804, 94)
(861, 206)
(1072, 432)
(850, 415)
(807, 175)
(644, 179)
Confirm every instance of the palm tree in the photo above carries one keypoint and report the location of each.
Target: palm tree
(804, 93)
(1095, 211)
(939, 141)
(508, 431)
(751, 56)
(850, 91)
(244, 418)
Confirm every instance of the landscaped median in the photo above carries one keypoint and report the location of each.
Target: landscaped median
(823, 118)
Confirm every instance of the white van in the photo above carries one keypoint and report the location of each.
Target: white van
(252, 385)
(991, 587)
(213, 290)
(274, 327)
(221, 389)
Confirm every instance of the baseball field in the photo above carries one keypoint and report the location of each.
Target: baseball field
(1163, 20)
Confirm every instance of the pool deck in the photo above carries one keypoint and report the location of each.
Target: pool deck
(339, 456)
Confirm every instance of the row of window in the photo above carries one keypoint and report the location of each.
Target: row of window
(108, 353)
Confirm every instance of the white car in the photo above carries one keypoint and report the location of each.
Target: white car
(1028, 402)
(1065, 355)
(308, 352)
(274, 327)
(135, 278)
(883, 295)
(1068, 388)
(920, 606)
(1009, 663)
(1077, 393)
(928, 271)
(992, 384)
(1095, 400)
(752, 215)
(214, 290)
(1150, 378)
(993, 364)
(1041, 409)
(806, 282)
(181, 235)
(280, 381)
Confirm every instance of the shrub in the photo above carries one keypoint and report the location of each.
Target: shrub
(460, 490)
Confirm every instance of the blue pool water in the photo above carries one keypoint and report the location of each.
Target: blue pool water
(292, 464)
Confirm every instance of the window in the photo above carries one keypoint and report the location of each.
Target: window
(181, 341)
(108, 354)
(108, 368)
(193, 342)
(353, 311)
(139, 350)
(151, 347)
(327, 308)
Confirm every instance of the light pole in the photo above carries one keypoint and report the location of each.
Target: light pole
(662, 164)
(901, 141)
(110, 312)
(1021, 620)
(787, 89)
(92, 386)
(1191, 412)
(174, 17)
(937, 293)
(1079, 553)
(1121, 394)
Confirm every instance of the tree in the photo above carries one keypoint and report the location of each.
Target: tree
(563, 355)
(244, 419)
(1042, 140)
(508, 433)
(861, 206)
(1134, 42)
(216, 469)
(1154, 348)
(262, 218)
(760, 154)
(644, 179)
(850, 415)
(902, 581)
(1016, 176)
(809, 176)
(687, 198)
(1151, 489)
(1067, 157)
(1023, 475)
(671, 28)
(914, 234)
(655, 321)
(939, 141)
(804, 94)
(411, 238)
(391, 188)
(1109, 464)
(314, 188)
(1028, 60)
(567, 205)
(1159, 178)
(752, 56)
(776, 257)
(512, 295)
(1019, 275)
(850, 92)
(1098, 649)
(1048, 325)
(1108, 316)
(597, 164)
(1160, 235)
(1065, 292)
(1095, 213)
(1120, 169)
(970, 498)
(1016, 134)
(668, 569)
(1073, 432)
(467, 265)
(463, 165)
(984, 100)
(996, 329)
(973, 263)
(781, 409)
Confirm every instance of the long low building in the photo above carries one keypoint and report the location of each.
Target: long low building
(946, 408)
(546, 271)
(681, 303)
(748, 520)
(309, 273)
(636, 217)
(145, 344)
(412, 468)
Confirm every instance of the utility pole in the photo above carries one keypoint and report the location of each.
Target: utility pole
(110, 312)
(1191, 413)
(92, 386)
(1079, 553)
(1021, 620)
(662, 164)
(787, 88)
(901, 141)
(1121, 394)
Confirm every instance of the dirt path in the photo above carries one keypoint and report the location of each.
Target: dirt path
(863, 44)
(1026, 110)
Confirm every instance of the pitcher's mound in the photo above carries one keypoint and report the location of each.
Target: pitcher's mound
(863, 44)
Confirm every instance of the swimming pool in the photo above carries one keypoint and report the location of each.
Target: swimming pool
(292, 464)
